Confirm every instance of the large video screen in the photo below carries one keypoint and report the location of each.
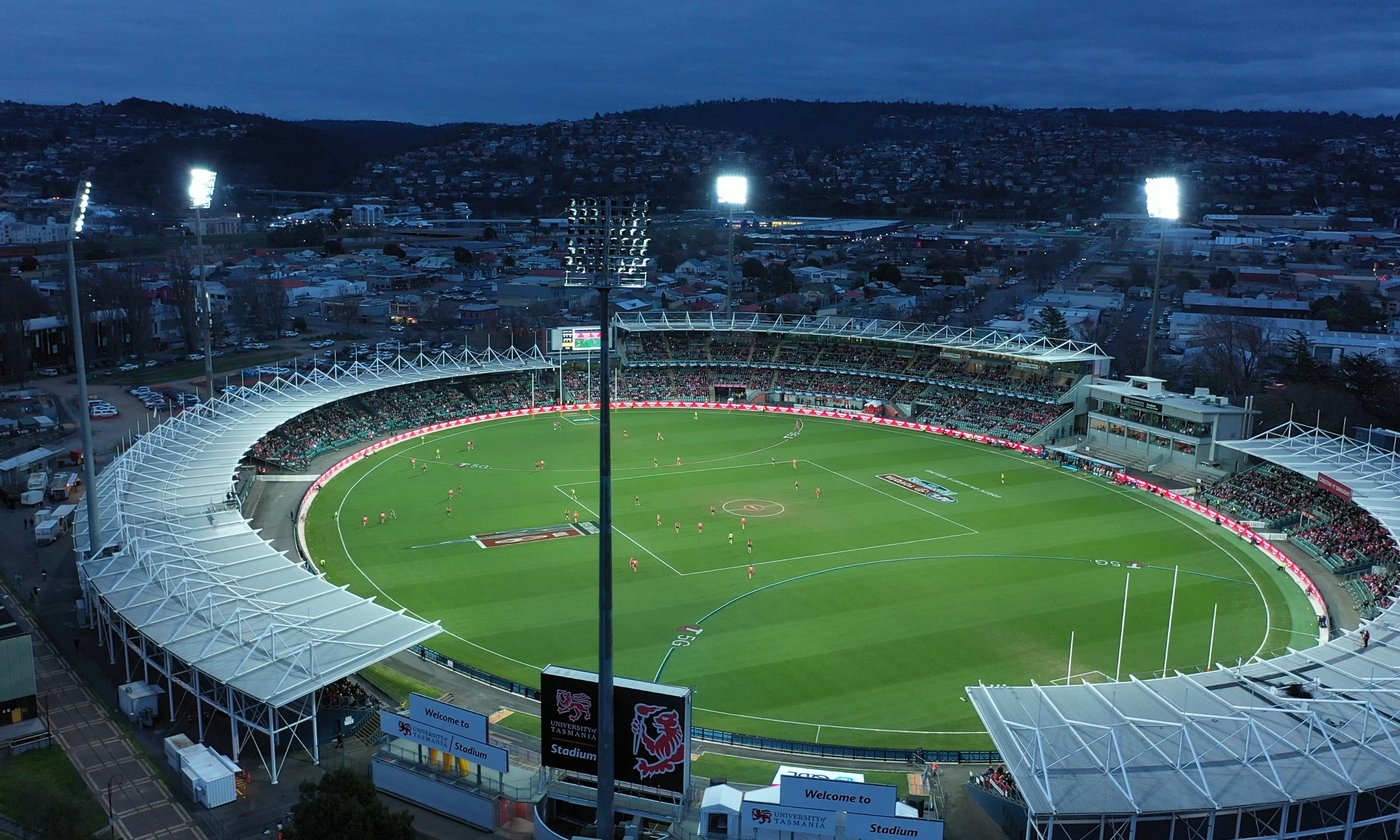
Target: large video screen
(571, 339)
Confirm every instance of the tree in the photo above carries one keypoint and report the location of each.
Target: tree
(1233, 352)
(1187, 281)
(463, 256)
(887, 273)
(1298, 363)
(777, 280)
(1221, 278)
(334, 247)
(1051, 323)
(488, 234)
(1372, 380)
(752, 269)
(345, 806)
(952, 277)
(1137, 273)
(393, 249)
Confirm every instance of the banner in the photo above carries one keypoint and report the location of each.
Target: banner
(651, 728)
(1332, 485)
(757, 816)
(397, 726)
(812, 773)
(833, 795)
(465, 724)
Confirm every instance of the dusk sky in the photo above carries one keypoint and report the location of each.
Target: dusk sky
(435, 62)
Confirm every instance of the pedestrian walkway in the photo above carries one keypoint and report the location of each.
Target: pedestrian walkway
(111, 764)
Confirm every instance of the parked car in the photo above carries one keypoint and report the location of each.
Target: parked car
(128, 367)
(48, 371)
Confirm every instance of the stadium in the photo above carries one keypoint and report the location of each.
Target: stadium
(1275, 735)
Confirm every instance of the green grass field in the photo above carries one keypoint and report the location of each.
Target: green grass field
(870, 608)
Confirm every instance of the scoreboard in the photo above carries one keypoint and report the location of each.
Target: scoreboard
(574, 339)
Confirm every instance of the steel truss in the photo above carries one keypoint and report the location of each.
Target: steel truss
(1047, 351)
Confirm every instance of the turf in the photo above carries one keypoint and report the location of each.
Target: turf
(870, 608)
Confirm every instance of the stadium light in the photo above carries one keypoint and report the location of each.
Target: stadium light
(202, 187)
(1163, 198)
(201, 198)
(731, 191)
(607, 250)
(1164, 203)
(75, 226)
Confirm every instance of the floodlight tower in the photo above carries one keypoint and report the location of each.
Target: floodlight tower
(75, 227)
(201, 197)
(732, 191)
(1164, 203)
(607, 250)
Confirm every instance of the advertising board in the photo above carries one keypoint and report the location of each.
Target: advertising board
(398, 726)
(651, 725)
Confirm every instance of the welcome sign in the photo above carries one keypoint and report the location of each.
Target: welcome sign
(833, 795)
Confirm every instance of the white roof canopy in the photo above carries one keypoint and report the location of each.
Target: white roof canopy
(973, 339)
(187, 570)
(1311, 724)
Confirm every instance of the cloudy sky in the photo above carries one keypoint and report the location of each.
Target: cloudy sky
(539, 60)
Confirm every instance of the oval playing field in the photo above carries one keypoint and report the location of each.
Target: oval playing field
(890, 568)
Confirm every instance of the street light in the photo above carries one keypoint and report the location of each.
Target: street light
(1164, 203)
(201, 198)
(607, 250)
(731, 190)
(75, 227)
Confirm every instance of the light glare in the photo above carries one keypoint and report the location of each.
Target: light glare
(202, 187)
(1163, 198)
(732, 189)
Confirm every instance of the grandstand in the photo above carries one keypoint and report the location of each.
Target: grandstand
(191, 595)
(976, 381)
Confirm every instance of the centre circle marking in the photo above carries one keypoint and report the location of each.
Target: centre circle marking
(756, 508)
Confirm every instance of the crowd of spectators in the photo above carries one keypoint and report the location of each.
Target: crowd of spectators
(345, 694)
(1353, 536)
(294, 444)
(984, 413)
(997, 780)
(1382, 587)
(1345, 537)
(922, 363)
(1265, 494)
